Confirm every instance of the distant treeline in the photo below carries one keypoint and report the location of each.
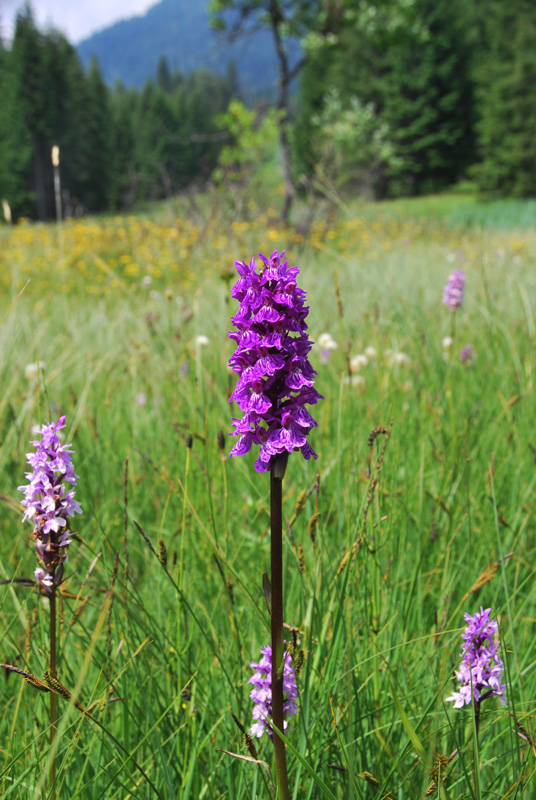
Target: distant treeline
(116, 146)
(410, 99)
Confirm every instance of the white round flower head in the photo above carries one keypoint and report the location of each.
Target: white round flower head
(31, 371)
(202, 341)
(370, 353)
(326, 342)
(402, 359)
(146, 281)
(356, 382)
(447, 342)
(358, 361)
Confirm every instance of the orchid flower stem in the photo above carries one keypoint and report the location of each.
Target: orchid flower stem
(276, 522)
(53, 712)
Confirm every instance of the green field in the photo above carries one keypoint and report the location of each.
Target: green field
(385, 547)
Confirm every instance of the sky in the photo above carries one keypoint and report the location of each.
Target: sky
(77, 19)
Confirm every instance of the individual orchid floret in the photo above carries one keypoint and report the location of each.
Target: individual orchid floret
(261, 694)
(481, 668)
(49, 500)
(453, 291)
(275, 378)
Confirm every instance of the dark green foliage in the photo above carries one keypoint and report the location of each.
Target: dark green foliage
(350, 66)
(25, 126)
(313, 87)
(115, 146)
(163, 76)
(91, 181)
(123, 187)
(506, 86)
(177, 141)
(15, 144)
(417, 74)
(49, 101)
(427, 100)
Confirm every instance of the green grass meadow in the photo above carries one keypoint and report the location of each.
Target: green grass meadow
(389, 538)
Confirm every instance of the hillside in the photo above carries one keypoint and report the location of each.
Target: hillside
(179, 30)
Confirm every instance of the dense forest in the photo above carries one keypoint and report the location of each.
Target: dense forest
(407, 100)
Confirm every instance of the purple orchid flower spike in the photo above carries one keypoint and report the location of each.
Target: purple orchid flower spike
(454, 289)
(481, 668)
(49, 500)
(276, 380)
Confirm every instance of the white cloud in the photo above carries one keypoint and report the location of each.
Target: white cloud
(77, 19)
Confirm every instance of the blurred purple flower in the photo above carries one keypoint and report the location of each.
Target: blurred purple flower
(276, 380)
(261, 693)
(49, 502)
(481, 667)
(467, 353)
(453, 291)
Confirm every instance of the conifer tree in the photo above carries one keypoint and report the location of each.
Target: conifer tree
(28, 108)
(123, 180)
(427, 101)
(164, 79)
(94, 149)
(15, 143)
(507, 101)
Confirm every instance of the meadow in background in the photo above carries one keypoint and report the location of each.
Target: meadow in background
(419, 508)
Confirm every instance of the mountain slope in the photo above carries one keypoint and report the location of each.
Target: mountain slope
(180, 31)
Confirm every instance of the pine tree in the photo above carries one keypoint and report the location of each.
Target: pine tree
(94, 147)
(42, 100)
(507, 101)
(28, 108)
(123, 181)
(15, 143)
(164, 78)
(427, 101)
